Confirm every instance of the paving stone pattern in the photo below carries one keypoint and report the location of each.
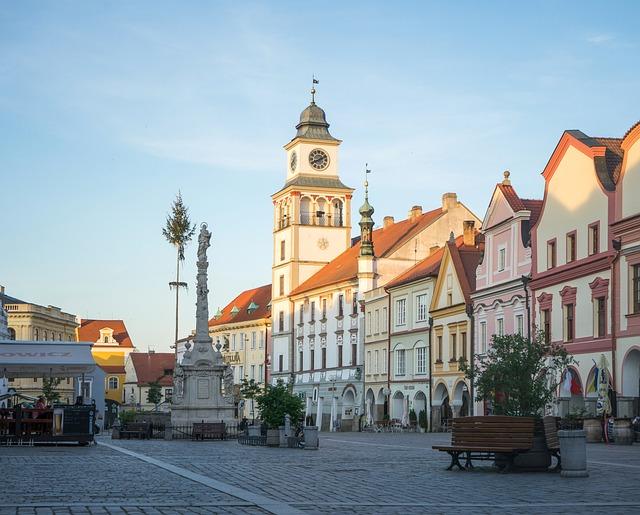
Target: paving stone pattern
(351, 473)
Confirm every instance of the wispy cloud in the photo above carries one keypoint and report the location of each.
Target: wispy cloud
(600, 39)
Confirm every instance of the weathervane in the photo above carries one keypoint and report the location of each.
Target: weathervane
(366, 182)
(313, 89)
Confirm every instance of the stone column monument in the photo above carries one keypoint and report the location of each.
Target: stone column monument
(203, 384)
(4, 329)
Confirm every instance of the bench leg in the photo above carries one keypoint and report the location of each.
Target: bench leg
(455, 462)
(468, 464)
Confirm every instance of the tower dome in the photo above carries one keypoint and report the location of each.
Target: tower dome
(313, 124)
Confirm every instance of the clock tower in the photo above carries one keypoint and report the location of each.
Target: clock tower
(311, 223)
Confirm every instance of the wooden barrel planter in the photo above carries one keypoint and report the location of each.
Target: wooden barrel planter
(538, 458)
(622, 431)
(593, 428)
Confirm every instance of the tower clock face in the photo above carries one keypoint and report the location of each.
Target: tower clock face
(318, 159)
(294, 161)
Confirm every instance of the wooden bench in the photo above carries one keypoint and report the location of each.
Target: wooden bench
(209, 430)
(552, 440)
(482, 438)
(140, 430)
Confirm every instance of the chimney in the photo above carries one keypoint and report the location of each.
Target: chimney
(433, 249)
(387, 221)
(1, 290)
(449, 201)
(415, 212)
(469, 233)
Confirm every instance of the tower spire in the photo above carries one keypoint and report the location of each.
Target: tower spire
(366, 222)
(313, 89)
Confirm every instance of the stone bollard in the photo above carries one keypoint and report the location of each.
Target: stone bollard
(311, 440)
(573, 451)
(115, 430)
(168, 432)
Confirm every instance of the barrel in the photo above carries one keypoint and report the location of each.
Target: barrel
(623, 432)
(593, 428)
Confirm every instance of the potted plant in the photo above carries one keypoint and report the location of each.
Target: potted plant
(519, 377)
(274, 403)
(423, 421)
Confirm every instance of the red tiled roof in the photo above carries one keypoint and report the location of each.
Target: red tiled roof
(613, 156)
(466, 259)
(260, 296)
(89, 331)
(151, 366)
(535, 206)
(113, 369)
(520, 204)
(385, 239)
(428, 267)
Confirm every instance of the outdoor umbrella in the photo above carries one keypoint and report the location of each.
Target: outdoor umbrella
(334, 414)
(370, 412)
(603, 406)
(307, 411)
(319, 414)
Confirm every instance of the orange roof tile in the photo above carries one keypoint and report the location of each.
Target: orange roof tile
(260, 297)
(152, 366)
(385, 239)
(89, 331)
(428, 267)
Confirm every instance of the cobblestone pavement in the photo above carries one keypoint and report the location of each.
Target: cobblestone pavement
(351, 473)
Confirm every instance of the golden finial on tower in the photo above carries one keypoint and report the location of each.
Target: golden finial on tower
(506, 180)
(313, 89)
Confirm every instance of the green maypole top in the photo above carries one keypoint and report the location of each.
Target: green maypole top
(366, 222)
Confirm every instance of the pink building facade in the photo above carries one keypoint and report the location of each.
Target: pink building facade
(500, 303)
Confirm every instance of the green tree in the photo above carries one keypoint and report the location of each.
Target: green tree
(178, 231)
(250, 390)
(49, 385)
(275, 402)
(154, 393)
(518, 375)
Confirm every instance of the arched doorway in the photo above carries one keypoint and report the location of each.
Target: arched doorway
(419, 406)
(397, 405)
(348, 419)
(370, 407)
(382, 407)
(571, 396)
(631, 379)
(441, 412)
(461, 400)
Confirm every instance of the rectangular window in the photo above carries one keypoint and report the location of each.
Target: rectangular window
(463, 344)
(483, 337)
(301, 360)
(324, 309)
(241, 373)
(312, 359)
(520, 324)
(233, 341)
(401, 311)
(282, 250)
(551, 254)
(400, 362)
(377, 321)
(601, 319)
(453, 338)
(384, 320)
(339, 355)
(369, 361)
(502, 259)
(340, 305)
(421, 308)
(449, 298)
(440, 348)
(281, 285)
(301, 314)
(546, 324)
(260, 373)
(324, 357)
(280, 363)
(569, 327)
(253, 340)
(571, 247)
(376, 362)
(384, 361)
(594, 239)
(313, 311)
(261, 344)
(281, 321)
(636, 288)
(354, 303)
(354, 354)
(421, 360)
(253, 372)
(241, 337)
(368, 323)
(500, 326)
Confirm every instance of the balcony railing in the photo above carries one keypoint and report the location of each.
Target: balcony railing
(320, 218)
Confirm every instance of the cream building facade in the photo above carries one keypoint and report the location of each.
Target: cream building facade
(376, 348)
(28, 321)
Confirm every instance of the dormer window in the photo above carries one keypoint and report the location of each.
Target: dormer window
(235, 311)
(106, 336)
(252, 307)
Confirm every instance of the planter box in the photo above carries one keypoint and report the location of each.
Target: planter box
(311, 441)
(273, 438)
(593, 429)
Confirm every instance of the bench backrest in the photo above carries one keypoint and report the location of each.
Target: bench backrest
(493, 431)
(209, 426)
(551, 432)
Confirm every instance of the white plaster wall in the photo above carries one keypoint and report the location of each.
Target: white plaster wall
(631, 181)
(303, 149)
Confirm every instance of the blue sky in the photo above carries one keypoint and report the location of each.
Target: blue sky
(108, 108)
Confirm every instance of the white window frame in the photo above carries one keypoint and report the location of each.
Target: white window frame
(421, 360)
(401, 311)
(483, 336)
(384, 361)
(376, 361)
(502, 258)
(519, 323)
(401, 362)
(421, 307)
(500, 326)
(384, 320)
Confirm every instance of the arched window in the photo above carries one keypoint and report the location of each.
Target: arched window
(106, 339)
(113, 383)
(337, 213)
(12, 333)
(36, 334)
(305, 211)
(321, 212)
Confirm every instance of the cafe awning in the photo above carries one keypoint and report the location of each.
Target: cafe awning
(51, 359)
